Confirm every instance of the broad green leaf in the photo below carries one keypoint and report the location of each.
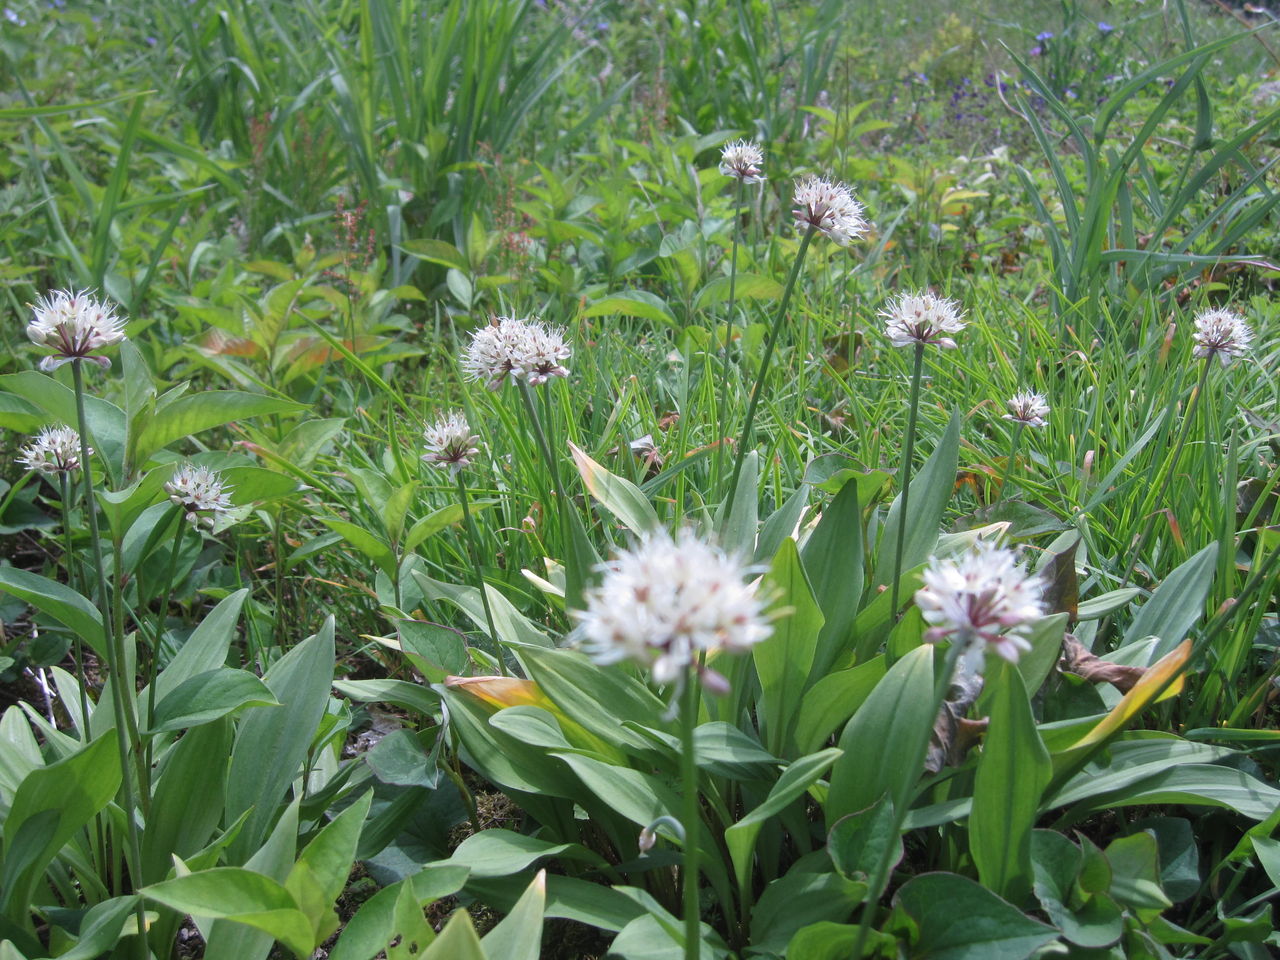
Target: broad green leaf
(411, 696)
(931, 490)
(637, 796)
(438, 252)
(746, 286)
(794, 781)
(957, 919)
(370, 544)
(198, 412)
(633, 303)
(100, 929)
(457, 941)
(242, 896)
(518, 936)
(50, 805)
(1199, 784)
(833, 700)
(797, 900)
(1013, 770)
(823, 941)
(833, 559)
(440, 650)
(206, 648)
(863, 843)
(784, 659)
(1105, 604)
(501, 853)
(513, 626)
(439, 520)
(736, 518)
(1056, 864)
(616, 494)
(320, 875)
(884, 742)
(60, 602)
(1135, 873)
(189, 798)
(271, 745)
(1176, 604)
(208, 696)
(396, 507)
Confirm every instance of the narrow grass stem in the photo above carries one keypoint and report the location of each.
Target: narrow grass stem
(744, 441)
(880, 871)
(1013, 458)
(1149, 524)
(122, 696)
(692, 816)
(473, 547)
(153, 665)
(730, 320)
(77, 646)
(907, 457)
(535, 421)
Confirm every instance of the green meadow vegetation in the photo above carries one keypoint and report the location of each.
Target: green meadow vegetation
(493, 479)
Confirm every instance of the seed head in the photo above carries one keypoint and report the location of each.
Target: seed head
(922, 318)
(742, 160)
(1028, 408)
(74, 325)
(450, 443)
(983, 600)
(830, 208)
(200, 492)
(665, 600)
(1221, 333)
(510, 347)
(54, 450)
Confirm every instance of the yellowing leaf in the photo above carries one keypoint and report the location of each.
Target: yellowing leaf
(1145, 692)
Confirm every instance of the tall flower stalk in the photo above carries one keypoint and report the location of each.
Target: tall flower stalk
(915, 320)
(820, 207)
(667, 604)
(1026, 409)
(742, 161)
(1220, 335)
(980, 602)
(451, 446)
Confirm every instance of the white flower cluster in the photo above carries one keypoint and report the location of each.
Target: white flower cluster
(982, 600)
(54, 450)
(200, 492)
(664, 601)
(1028, 408)
(743, 160)
(74, 325)
(830, 208)
(922, 318)
(450, 443)
(1221, 333)
(511, 347)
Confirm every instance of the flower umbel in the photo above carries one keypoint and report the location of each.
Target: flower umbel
(510, 347)
(200, 492)
(743, 161)
(74, 325)
(1221, 333)
(830, 208)
(54, 450)
(981, 599)
(664, 601)
(922, 318)
(450, 443)
(1028, 408)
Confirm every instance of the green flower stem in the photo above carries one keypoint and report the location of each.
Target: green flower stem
(122, 695)
(692, 816)
(745, 440)
(722, 404)
(153, 665)
(907, 456)
(1013, 456)
(526, 398)
(77, 647)
(1149, 524)
(473, 546)
(880, 871)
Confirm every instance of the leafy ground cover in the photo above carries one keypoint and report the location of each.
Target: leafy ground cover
(790, 572)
